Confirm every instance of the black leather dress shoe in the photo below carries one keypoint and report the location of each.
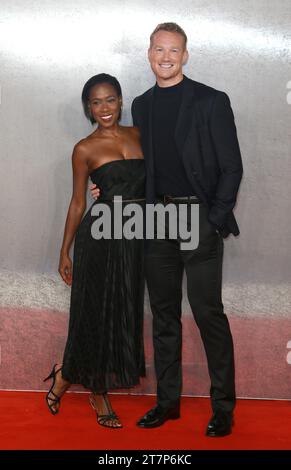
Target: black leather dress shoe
(220, 424)
(157, 416)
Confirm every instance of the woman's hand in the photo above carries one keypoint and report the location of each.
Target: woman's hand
(65, 268)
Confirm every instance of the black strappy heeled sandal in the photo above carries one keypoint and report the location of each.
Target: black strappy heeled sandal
(55, 400)
(106, 420)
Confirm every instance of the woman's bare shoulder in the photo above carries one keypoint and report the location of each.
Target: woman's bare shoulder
(134, 130)
(82, 149)
(131, 131)
(85, 145)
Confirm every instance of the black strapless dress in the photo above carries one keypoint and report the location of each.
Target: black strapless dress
(104, 349)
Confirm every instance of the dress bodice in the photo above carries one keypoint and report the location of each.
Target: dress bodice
(124, 178)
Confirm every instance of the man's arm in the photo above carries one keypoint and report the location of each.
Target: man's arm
(224, 139)
(94, 190)
(134, 113)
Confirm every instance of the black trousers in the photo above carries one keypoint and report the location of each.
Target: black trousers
(165, 263)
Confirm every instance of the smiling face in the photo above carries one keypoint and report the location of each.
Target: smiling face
(104, 104)
(167, 55)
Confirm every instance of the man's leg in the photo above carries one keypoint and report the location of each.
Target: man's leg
(204, 274)
(164, 272)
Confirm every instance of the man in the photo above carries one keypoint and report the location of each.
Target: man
(192, 156)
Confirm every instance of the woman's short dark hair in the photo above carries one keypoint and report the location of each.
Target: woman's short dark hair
(97, 80)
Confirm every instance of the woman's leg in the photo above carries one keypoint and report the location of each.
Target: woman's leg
(100, 402)
(58, 388)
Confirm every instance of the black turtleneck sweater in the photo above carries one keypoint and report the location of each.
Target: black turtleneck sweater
(170, 175)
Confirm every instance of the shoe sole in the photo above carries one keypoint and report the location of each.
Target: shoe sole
(208, 434)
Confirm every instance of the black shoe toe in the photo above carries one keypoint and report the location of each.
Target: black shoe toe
(158, 416)
(220, 424)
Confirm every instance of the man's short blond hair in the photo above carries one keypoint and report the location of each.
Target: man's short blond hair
(170, 28)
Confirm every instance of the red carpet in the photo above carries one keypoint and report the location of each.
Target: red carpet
(27, 424)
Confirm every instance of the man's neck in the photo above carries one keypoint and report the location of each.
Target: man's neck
(170, 82)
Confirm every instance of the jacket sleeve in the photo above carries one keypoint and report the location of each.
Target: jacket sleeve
(226, 146)
(134, 113)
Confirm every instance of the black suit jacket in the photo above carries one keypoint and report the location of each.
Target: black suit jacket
(207, 143)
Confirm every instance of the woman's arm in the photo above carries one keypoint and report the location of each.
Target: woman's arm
(76, 209)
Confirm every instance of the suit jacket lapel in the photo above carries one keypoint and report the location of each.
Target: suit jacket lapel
(185, 115)
(150, 132)
(188, 119)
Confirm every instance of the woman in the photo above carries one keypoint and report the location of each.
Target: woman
(104, 349)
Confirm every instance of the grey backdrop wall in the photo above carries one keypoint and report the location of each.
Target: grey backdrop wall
(48, 50)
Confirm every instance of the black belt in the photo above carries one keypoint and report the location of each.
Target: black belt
(186, 199)
(133, 200)
(123, 200)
